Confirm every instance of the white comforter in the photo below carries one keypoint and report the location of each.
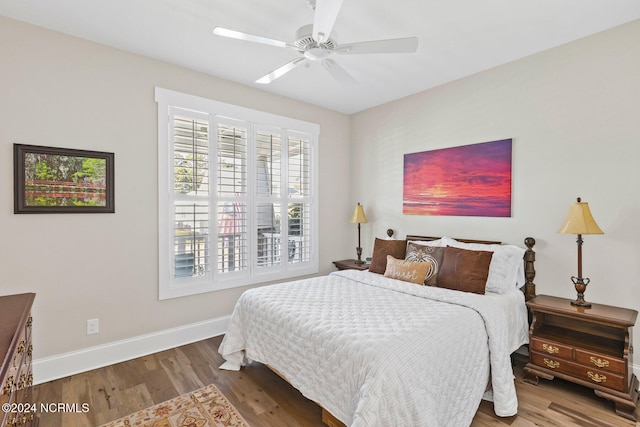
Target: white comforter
(375, 351)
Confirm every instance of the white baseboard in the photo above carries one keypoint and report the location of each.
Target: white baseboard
(66, 364)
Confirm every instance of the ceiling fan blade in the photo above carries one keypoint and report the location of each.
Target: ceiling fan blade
(281, 71)
(409, 44)
(324, 18)
(225, 32)
(339, 73)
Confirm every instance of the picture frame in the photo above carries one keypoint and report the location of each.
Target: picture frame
(468, 180)
(62, 180)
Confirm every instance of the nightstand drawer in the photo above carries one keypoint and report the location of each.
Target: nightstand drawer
(551, 348)
(599, 361)
(550, 362)
(575, 370)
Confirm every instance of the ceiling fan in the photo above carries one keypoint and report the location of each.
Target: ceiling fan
(313, 43)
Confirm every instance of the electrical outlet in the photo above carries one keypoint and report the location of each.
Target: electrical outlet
(93, 326)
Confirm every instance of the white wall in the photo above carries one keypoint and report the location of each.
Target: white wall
(61, 91)
(574, 115)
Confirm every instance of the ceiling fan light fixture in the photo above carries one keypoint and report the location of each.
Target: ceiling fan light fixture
(311, 48)
(317, 53)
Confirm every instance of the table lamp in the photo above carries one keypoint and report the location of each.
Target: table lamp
(360, 218)
(580, 221)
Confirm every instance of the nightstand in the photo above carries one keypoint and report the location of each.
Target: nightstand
(588, 346)
(350, 264)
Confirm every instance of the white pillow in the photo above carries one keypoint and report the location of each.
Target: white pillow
(439, 243)
(507, 266)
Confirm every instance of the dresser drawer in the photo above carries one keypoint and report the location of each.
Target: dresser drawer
(576, 370)
(551, 348)
(599, 361)
(16, 351)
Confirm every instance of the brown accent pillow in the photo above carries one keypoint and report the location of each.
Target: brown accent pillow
(464, 270)
(382, 248)
(424, 253)
(409, 271)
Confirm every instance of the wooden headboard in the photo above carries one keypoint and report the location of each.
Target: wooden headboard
(529, 259)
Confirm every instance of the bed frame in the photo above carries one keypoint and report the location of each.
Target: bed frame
(529, 290)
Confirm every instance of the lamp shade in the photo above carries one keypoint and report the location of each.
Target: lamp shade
(358, 215)
(580, 220)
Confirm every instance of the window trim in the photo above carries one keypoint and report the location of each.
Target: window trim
(166, 100)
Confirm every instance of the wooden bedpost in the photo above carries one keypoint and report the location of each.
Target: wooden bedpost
(529, 270)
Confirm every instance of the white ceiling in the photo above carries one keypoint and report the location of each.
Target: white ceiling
(457, 37)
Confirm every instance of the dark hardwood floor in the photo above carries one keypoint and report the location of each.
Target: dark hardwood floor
(264, 399)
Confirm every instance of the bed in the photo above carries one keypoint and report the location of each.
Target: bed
(373, 349)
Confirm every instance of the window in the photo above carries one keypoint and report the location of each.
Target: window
(236, 195)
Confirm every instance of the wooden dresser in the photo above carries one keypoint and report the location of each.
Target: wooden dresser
(16, 378)
(588, 346)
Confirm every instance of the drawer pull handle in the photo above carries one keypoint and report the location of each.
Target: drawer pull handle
(596, 377)
(551, 349)
(551, 363)
(599, 362)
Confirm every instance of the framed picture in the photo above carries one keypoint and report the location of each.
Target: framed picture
(62, 180)
(471, 180)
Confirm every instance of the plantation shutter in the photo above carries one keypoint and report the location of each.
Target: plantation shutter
(232, 197)
(190, 196)
(269, 171)
(300, 191)
(236, 196)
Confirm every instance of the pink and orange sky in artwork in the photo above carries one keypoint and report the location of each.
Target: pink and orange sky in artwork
(472, 180)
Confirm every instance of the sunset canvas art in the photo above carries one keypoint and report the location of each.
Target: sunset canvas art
(471, 180)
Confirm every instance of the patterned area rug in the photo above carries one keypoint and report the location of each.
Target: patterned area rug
(206, 407)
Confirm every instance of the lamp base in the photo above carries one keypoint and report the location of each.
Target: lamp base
(359, 253)
(581, 285)
(581, 303)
